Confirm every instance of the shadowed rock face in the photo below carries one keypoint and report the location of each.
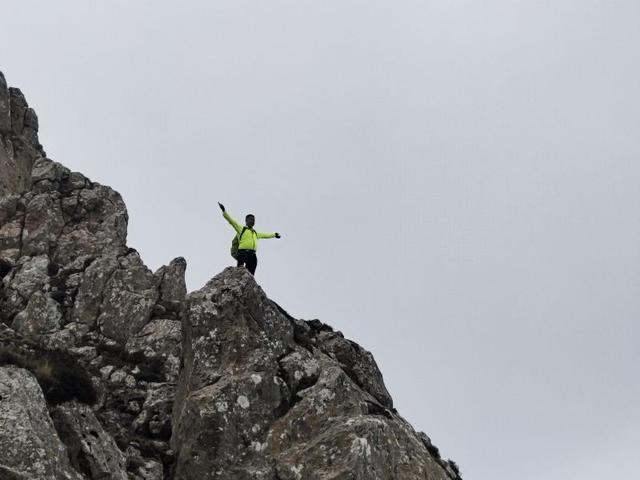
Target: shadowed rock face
(221, 383)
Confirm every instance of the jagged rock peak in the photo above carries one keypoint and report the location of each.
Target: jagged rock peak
(110, 370)
(19, 145)
(264, 395)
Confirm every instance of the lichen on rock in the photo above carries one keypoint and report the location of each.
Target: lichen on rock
(218, 384)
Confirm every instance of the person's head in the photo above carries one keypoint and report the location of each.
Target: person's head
(250, 220)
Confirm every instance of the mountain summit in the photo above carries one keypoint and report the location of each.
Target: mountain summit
(111, 371)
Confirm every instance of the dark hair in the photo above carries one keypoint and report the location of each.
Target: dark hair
(250, 215)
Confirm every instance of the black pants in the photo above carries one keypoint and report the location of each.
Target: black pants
(248, 258)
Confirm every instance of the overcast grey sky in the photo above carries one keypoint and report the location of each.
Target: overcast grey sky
(456, 183)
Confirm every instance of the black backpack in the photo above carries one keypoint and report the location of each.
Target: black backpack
(235, 243)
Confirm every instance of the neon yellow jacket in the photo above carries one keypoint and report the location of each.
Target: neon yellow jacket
(249, 240)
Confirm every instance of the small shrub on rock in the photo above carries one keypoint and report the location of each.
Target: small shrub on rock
(59, 374)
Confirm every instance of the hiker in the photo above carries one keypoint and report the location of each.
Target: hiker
(245, 243)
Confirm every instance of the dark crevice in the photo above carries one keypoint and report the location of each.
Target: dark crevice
(377, 409)
(76, 456)
(306, 383)
(149, 449)
(274, 466)
(65, 224)
(293, 398)
(301, 336)
(60, 291)
(151, 369)
(353, 376)
(23, 222)
(103, 294)
(52, 269)
(254, 320)
(5, 268)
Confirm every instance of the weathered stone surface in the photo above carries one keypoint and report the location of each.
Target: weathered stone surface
(19, 146)
(93, 283)
(29, 443)
(65, 216)
(160, 338)
(30, 276)
(20, 283)
(42, 315)
(128, 299)
(68, 337)
(11, 223)
(86, 218)
(221, 383)
(173, 288)
(117, 295)
(7, 473)
(92, 451)
(18, 109)
(5, 110)
(228, 390)
(262, 395)
(356, 362)
(143, 469)
(336, 430)
(299, 369)
(43, 223)
(154, 419)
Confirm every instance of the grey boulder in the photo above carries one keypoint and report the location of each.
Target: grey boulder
(92, 450)
(29, 442)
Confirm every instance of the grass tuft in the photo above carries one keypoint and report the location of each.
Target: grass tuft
(59, 374)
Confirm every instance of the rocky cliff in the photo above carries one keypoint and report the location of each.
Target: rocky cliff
(111, 371)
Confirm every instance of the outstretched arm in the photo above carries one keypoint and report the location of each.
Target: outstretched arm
(267, 235)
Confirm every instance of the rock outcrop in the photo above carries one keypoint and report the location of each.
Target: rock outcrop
(19, 146)
(111, 371)
(265, 396)
(30, 445)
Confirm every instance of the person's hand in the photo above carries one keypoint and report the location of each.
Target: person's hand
(221, 207)
(278, 235)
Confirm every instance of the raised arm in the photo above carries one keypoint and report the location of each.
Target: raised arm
(236, 226)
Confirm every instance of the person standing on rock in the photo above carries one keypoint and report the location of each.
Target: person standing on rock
(247, 240)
